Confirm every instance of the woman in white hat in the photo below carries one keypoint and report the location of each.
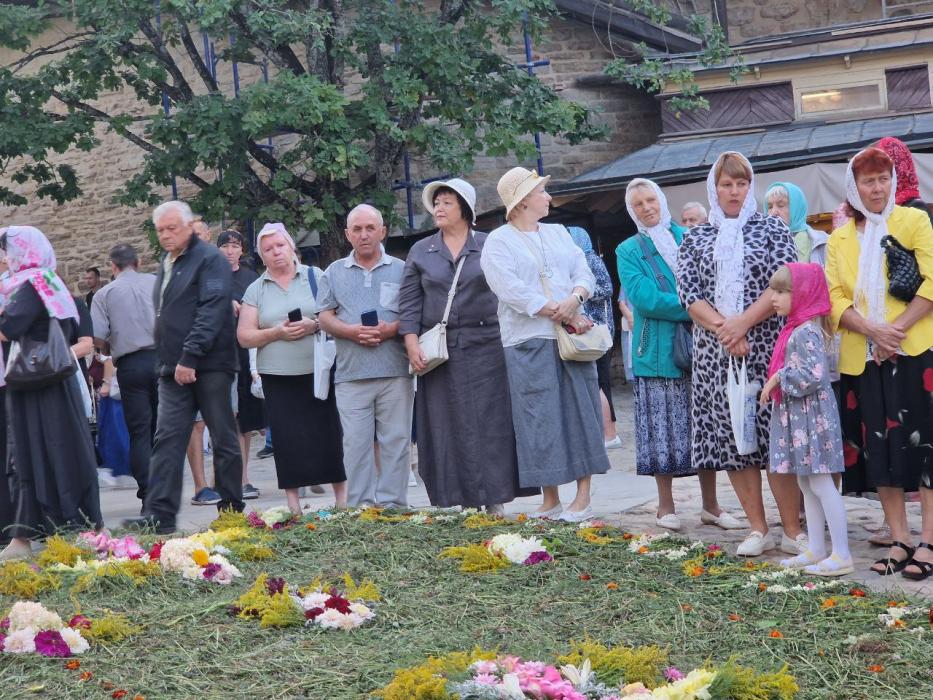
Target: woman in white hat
(466, 445)
(556, 411)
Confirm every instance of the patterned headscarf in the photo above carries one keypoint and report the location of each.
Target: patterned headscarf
(660, 234)
(31, 259)
(729, 248)
(908, 187)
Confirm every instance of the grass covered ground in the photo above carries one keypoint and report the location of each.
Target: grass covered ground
(700, 605)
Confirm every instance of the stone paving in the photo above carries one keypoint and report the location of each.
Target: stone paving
(619, 497)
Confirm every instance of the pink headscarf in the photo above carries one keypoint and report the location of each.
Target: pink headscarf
(809, 298)
(30, 258)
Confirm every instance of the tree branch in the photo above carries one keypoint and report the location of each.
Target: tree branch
(50, 50)
(280, 55)
(199, 65)
(165, 58)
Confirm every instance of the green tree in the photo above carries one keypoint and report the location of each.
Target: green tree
(353, 85)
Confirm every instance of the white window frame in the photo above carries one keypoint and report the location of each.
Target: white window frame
(815, 84)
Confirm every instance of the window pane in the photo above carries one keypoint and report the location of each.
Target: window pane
(840, 99)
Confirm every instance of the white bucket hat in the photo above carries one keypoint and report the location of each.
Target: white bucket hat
(517, 184)
(461, 187)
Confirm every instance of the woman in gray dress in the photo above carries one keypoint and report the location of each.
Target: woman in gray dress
(466, 445)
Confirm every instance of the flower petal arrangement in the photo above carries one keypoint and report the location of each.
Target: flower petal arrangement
(500, 552)
(275, 518)
(31, 628)
(194, 561)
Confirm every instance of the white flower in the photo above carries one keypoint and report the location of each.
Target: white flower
(74, 640)
(314, 600)
(22, 641)
(28, 615)
(176, 554)
(329, 619)
(514, 547)
(277, 514)
(362, 611)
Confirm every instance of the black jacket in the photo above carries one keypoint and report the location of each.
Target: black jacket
(194, 324)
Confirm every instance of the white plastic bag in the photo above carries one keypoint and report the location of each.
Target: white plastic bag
(743, 406)
(325, 352)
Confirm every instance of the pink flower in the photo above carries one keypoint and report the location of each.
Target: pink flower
(210, 571)
(485, 667)
(254, 520)
(50, 643)
(673, 674)
(80, 621)
(537, 558)
(485, 679)
(818, 371)
(809, 585)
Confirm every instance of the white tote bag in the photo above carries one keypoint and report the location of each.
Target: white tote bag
(325, 352)
(743, 406)
(433, 342)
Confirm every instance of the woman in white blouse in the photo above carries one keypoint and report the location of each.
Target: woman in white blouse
(541, 278)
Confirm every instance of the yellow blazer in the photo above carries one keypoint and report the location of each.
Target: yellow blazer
(912, 228)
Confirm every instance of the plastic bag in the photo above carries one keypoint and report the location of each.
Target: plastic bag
(743, 406)
(325, 352)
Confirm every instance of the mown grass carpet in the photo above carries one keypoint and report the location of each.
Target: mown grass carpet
(701, 605)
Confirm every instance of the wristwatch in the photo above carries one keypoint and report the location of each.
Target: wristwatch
(579, 297)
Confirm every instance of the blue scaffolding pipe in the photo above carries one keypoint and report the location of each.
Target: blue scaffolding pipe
(529, 65)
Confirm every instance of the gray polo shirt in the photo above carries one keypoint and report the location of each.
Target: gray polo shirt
(284, 357)
(124, 315)
(351, 289)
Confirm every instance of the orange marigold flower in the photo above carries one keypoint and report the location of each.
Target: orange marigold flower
(643, 550)
(900, 623)
(876, 668)
(931, 617)
(749, 565)
(585, 577)
(85, 676)
(828, 603)
(627, 535)
(139, 697)
(734, 617)
(820, 652)
(695, 571)
(612, 585)
(856, 593)
(310, 526)
(73, 665)
(762, 587)
(776, 634)
(119, 693)
(892, 604)
(522, 517)
(686, 607)
(200, 557)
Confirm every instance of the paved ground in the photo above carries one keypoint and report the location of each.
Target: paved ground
(619, 496)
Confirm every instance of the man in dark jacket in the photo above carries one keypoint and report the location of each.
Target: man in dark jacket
(197, 363)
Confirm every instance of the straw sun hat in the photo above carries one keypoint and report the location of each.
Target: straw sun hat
(461, 187)
(517, 184)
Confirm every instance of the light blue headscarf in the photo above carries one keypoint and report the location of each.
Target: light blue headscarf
(797, 204)
(581, 238)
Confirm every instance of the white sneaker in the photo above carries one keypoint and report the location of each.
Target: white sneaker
(804, 559)
(669, 521)
(795, 546)
(412, 479)
(105, 478)
(725, 520)
(552, 513)
(614, 444)
(755, 544)
(576, 516)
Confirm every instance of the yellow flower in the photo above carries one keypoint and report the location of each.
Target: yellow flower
(200, 557)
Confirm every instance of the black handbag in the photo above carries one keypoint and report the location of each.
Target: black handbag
(904, 278)
(683, 334)
(36, 364)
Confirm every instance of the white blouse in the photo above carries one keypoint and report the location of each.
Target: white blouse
(512, 262)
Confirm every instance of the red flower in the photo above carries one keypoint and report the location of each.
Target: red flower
(931, 617)
(119, 693)
(856, 593)
(851, 401)
(156, 551)
(928, 379)
(80, 621)
(275, 585)
(876, 668)
(338, 603)
(313, 613)
(73, 665)
(585, 577)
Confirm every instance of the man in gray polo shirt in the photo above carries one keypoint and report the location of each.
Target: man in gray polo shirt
(124, 323)
(373, 388)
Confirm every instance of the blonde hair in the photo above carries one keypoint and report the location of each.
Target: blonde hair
(735, 166)
(782, 281)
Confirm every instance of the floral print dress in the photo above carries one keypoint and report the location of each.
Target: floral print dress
(806, 437)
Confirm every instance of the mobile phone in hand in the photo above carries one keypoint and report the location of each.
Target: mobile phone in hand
(294, 315)
(370, 318)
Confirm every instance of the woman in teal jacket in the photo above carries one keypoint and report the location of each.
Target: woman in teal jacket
(662, 392)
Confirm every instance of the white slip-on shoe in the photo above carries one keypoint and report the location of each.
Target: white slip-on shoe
(669, 521)
(614, 444)
(576, 516)
(755, 544)
(831, 566)
(797, 545)
(804, 559)
(725, 520)
(552, 513)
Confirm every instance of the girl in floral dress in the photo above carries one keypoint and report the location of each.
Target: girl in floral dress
(806, 438)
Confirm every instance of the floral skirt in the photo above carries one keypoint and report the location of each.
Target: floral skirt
(887, 425)
(662, 427)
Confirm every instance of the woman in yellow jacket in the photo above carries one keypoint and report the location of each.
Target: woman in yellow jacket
(886, 357)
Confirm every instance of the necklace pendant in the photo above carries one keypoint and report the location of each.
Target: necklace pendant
(548, 272)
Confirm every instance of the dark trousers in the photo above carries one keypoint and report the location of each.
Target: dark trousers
(178, 405)
(7, 504)
(139, 391)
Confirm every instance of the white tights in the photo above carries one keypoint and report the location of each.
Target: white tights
(824, 506)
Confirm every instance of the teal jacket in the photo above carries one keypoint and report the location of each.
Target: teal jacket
(656, 313)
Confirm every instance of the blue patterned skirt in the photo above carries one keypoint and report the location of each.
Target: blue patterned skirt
(662, 427)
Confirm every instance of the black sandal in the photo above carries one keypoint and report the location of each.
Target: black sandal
(892, 565)
(926, 568)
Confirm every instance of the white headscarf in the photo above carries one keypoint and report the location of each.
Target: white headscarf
(870, 284)
(729, 248)
(660, 234)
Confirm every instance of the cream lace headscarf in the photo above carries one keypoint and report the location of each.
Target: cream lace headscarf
(729, 248)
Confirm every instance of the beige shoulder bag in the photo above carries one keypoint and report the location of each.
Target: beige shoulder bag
(433, 342)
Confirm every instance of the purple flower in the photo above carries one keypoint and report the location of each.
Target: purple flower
(210, 571)
(50, 643)
(672, 674)
(275, 585)
(537, 557)
(254, 520)
(2, 640)
(5, 623)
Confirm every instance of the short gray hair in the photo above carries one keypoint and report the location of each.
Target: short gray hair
(694, 205)
(365, 207)
(175, 205)
(123, 255)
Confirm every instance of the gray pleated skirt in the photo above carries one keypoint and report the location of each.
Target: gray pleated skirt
(556, 414)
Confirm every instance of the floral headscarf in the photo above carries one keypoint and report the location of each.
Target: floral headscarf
(31, 259)
(908, 187)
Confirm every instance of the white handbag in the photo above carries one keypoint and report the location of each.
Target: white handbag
(325, 352)
(574, 347)
(743, 407)
(433, 342)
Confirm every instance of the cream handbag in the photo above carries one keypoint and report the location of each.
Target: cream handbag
(574, 347)
(433, 342)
